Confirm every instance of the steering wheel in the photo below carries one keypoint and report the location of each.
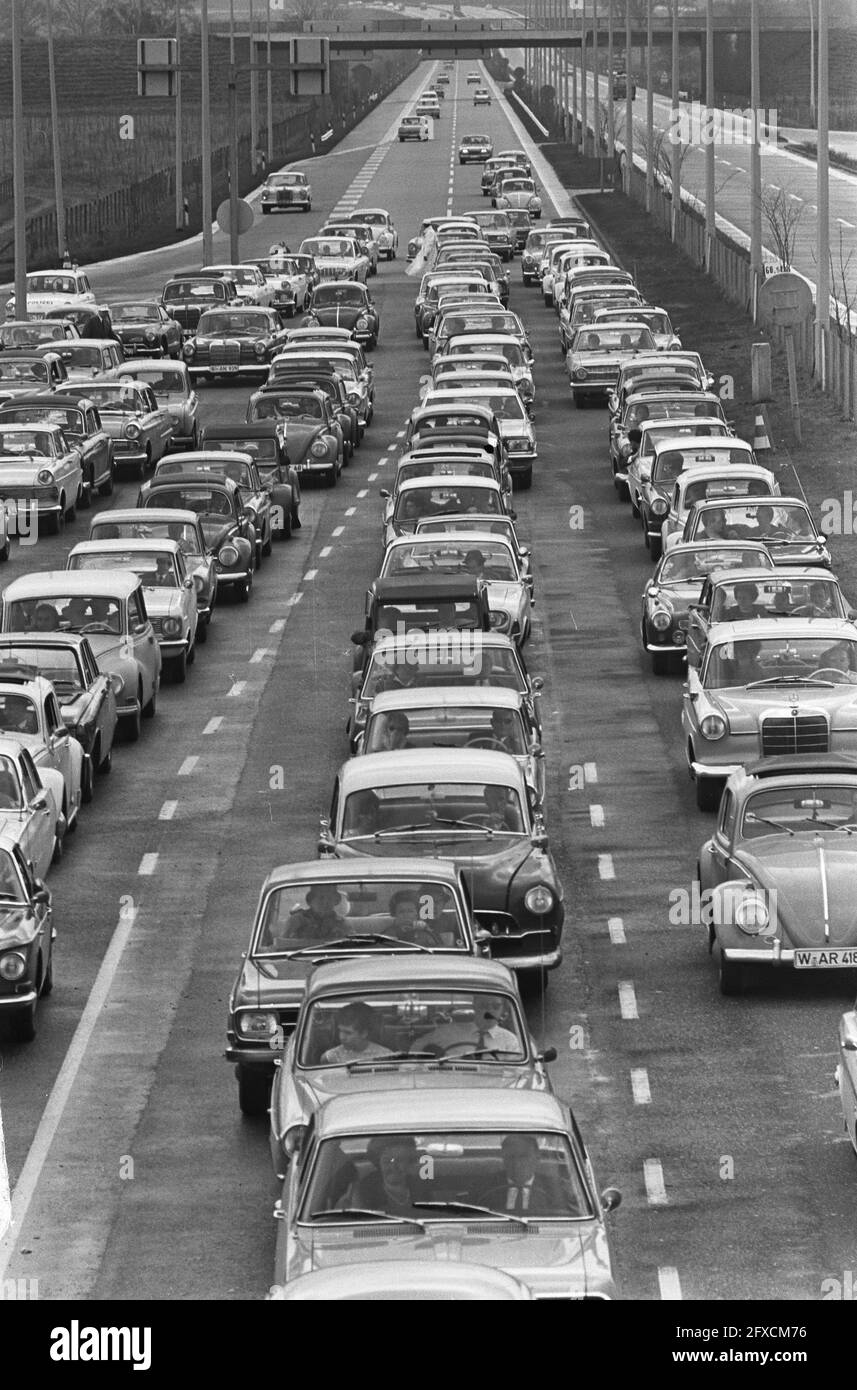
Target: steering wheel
(495, 745)
(96, 627)
(834, 670)
(468, 1047)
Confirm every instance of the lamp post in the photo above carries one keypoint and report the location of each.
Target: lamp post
(18, 187)
(650, 109)
(269, 85)
(756, 266)
(675, 131)
(179, 154)
(205, 137)
(629, 104)
(55, 139)
(822, 195)
(710, 216)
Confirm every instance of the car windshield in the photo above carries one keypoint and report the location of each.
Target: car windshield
(804, 807)
(134, 313)
(59, 665)
(671, 462)
(80, 354)
(782, 659)
(451, 419)
(753, 522)
(479, 321)
(660, 433)
(11, 887)
(286, 180)
(737, 600)
(425, 614)
(517, 186)
(428, 807)
(34, 369)
(163, 380)
(156, 571)
(287, 406)
(230, 468)
(725, 485)
(301, 915)
(509, 349)
(440, 1176)
(10, 797)
(426, 501)
(52, 284)
(336, 296)
(374, 219)
(183, 532)
(423, 468)
(668, 407)
(492, 219)
(328, 246)
(687, 565)
(65, 612)
(250, 324)
(69, 420)
(28, 442)
(18, 335)
(111, 397)
(195, 289)
(492, 559)
(348, 1030)
(263, 450)
(440, 659)
(206, 502)
(447, 726)
(18, 713)
(604, 339)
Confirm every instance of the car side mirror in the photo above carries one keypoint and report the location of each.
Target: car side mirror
(42, 895)
(548, 1054)
(531, 414)
(513, 515)
(611, 1198)
(384, 492)
(538, 684)
(40, 800)
(360, 638)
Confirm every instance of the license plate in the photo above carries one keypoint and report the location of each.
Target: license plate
(230, 367)
(832, 958)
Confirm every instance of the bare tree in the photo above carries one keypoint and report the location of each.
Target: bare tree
(843, 296)
(782, 214)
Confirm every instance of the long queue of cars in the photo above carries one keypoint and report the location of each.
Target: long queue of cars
(90, 393)
(743, 600)
(377, 1013)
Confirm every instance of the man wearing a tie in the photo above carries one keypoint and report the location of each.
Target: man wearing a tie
(522, 1192)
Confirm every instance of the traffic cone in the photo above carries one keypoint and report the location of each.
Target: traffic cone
(761, 442)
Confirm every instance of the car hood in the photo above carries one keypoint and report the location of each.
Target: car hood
(339, 315)
(164, 603)
(380, 1075)
(216, 532)
(550, 1257)
(17, 475)
(114, 422)
(508, 597)
(10, 389)
(808, 699)
(813, 879)
(677, 597)
(18, 927)
(107, 647)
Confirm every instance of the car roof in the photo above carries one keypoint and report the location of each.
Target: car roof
(710, 543)
(410, 868)
(782, 574)
(426, 585)
(161, 363)
(384, 646)
(382, 972)
(208, 480)
(406, 766)
(147, 515)
(450, 480)
(801, 764)
(365, 1112)
(758, 501)
(681, 422)
(18, 426)
(460, 538)
(50, 400)
(730, 470)
(60, 638)
(427, 697)
(208, 456)
(47, 583)
(125, 543)
(257, 429)
(837, 629)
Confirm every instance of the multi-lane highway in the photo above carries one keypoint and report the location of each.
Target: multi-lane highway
(135, 1176)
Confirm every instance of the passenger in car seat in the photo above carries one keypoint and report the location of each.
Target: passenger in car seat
(354, 1025)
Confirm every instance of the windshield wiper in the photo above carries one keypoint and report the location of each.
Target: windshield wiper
(789, 680)
(474, 1207)
(391, 1057)
(473, 1052)
(765, 820)
(369, 1214)
(388, 940)
(394, 830)
(848, 826)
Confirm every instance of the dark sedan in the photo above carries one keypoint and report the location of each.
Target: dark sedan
(345, 304)
(234, 342)
(145, 329)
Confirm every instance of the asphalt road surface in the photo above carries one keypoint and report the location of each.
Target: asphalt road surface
(134, 1174)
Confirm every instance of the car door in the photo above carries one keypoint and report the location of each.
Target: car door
(101, 710)
(188, 589)
(98, 444)
(38, 837)
(141, 639)
(58, 745)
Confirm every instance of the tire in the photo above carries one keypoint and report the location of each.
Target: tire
(106, 489)
(730, 976)
(533, 983)
(178, 668)
(524, 481)
(285, 531)
(72, 511)
(635, 510)
(202, 633)
(332, 477)
(661, 663)
(56, 857)
(151, 709)
(84, 497)
(245, 589)
(131, 726)
(21, 1025)
(254, 1092)
(265, 212)
(57, 520)
(48, 980)
(105, 767)
(578, 402)
(708, 793)
(86, 780)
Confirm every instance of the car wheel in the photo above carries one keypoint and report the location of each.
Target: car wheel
(84, 497)
(285, 531)
(48, 980)
(635, 510)
(201, 632)
(178, 667)
(105, 766)
(72, 511)
(151, 709)
(21, 1025)
(534, 983)
(730, 976)
(266, 546)
(524, 481)
(245, 589)
(86, 779)
(708, 793)
(254, 1092)
(265, 212)
(56, 857)
(332, 475)
(106, 488)
(194, 439)
(57, 520)
(661, 663)
(131, 723)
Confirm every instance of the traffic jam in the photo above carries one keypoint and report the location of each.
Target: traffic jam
(381, 1027)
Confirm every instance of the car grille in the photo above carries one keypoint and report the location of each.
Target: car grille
(226, 353)
(508, 939)
(289, 195)
(187, 314)
(332, 272)
(803, 733)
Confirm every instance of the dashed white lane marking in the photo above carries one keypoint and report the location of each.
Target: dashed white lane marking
(188, 766)
(364, 492)
(310, 575)
(291, 602)
(259, 655)
(5, 1191)
(605, 867)
(168, 810)
(640, 1088)
(213, 724)
(590, 772)
(627, 1000)
(653, 1176)
(237, 690)
(390, 448)
(349, 511)
(325, 551)
(616, 928)
(148, 865)
(400, 434)
(669, 1284)
(379, 463)
(337, 530)
(596, 817)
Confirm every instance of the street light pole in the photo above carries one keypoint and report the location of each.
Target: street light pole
(822, 193)
(18, 188)
(710, 220)
(756, 267)
(650, 109)
(583, 75)
(812, 61)
(629, 104)
(675, 130)
(611, 110)
(254, 96)
(179, 154)
(233, 165)
(205, 137)
(269, 85)
(59, 199)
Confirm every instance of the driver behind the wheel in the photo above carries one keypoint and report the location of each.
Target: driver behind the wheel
(45, 618)
(479, 1031)
(505, 735)
(354, 1026)
(408, 925)
(839, 657)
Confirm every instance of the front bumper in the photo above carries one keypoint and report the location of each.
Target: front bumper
(225, 577)
(125, 452)
(719, 771)
(18, 1001)
(592, 387)
(45, 506)
(256, 368)
(135, 349)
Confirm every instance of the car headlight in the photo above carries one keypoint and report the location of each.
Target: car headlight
(189, 349)
(132, 430)
(13, 966)
(539, 900)
(499, 621)
(257, 1026)
(753, 917)
(44, 476)
(580, 374)
(260, 349)
(318, 449)
(228, 555)
(534, 203)
(362, 322)
(171, 627)
(660, 506)
(713, 726)
(661, 620)
(150, 335)
(198, 583)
